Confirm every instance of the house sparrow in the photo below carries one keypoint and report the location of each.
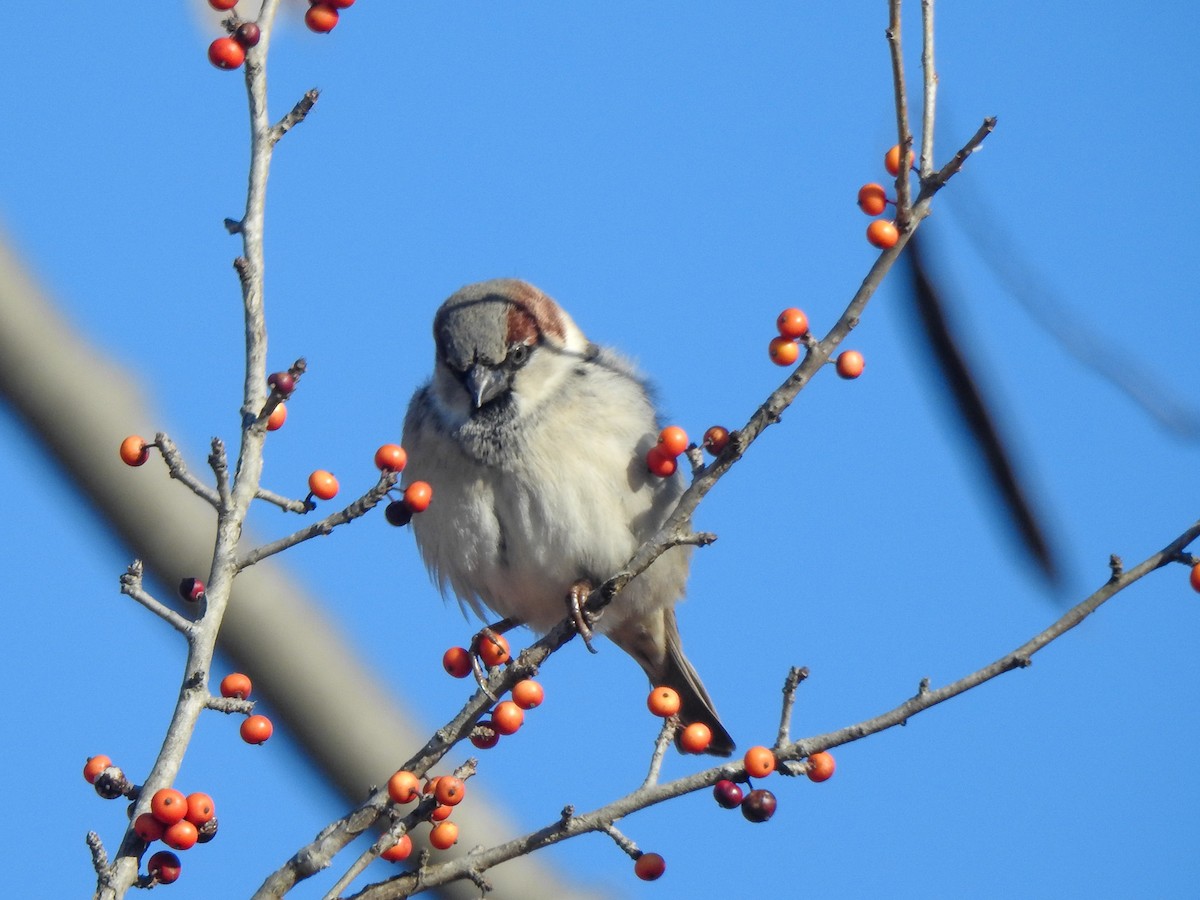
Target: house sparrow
(535, 442)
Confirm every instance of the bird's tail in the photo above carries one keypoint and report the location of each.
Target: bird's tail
(672, 669)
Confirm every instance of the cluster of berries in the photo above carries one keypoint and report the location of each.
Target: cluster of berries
(229, 52)
(784, 350)
(673, 442)
(507, 716)
(873, 200)
(177, 820)
(445, 791)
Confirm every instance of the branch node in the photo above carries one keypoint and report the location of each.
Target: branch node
(1116, 565)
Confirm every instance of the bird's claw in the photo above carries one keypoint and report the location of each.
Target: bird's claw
(583, 619)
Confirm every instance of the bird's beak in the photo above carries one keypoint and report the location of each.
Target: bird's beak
(484, 383)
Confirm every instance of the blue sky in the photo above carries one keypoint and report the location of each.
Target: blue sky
(674, 176)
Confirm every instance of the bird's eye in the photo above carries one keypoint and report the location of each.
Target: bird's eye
(518, 355)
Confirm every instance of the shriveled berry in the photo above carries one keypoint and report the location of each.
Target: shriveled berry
(207, 831)
(112, 783)
(727, 794)
(759, 805)
(649, 867)
(484, 735)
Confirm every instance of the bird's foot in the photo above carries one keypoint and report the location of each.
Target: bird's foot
(584, 620)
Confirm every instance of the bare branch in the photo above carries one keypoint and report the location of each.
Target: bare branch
(929, 98)
(179, 470)
(131, 585)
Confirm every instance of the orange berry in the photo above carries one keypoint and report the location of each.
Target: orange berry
(181, 836)
(404, 787)
(391, 458)
(134, 451)
(649, 866)
(695, 738)
(431, 785)
(94, 766)
(399, 850)
(417, 496)
(321, 18)
(663, 701)
(200, 808)
(821, 766)
(235, 684)
(792, 323)
(716, 439)
(783, 351)
(659, 463)
(891, 160)
(457, 662)
(256, 730)
(148, 828)
(492, 649)
(450, 790)
(277, 418)
(672, 441)
(850, 364)
(872, 199)
(164, 865)
(226, 53)
(507, 717)
(882, 234)
(528, 694)
(168, 805)
(222, 4)
(323, 485)
(1194, 577)
(444, 835)
(759, 762)
(440, 813)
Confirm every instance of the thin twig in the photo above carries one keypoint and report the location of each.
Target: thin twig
(790, 684)
(661, 743)
(296, 115)
(904, 139)
(131, 586)
(179, 470)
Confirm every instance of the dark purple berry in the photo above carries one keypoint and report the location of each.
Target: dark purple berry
(283, 382)
(397, 513)
(191, 589)
(727, 794)
(247, 34)
(759, 805)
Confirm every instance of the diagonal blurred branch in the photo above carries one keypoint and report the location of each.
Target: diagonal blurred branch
(305, 673)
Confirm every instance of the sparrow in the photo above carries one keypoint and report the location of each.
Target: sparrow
(534, 440)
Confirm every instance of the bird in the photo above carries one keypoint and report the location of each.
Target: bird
(534, 441)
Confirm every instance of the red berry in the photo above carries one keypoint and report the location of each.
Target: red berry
(94, 766)
(716, 439)
(248, 35)
(792, 323)
(397, 513)
(492, 649)
(450, 790)
(821, 766)
(200, 808)
(404, 787)
(872, 199)
(277, 418)
(324, 485)
(457, 662)
(444, 835)
(134, 451)
(850, 364)
(759, 805)
(340, 4)
(783, 351)
(660, 464)
(695, 738)
(168, 805)
(649, 866)
(507, 717)
(222, 4)
(283, 383)
(164, 865)
(663, 702)
(882, 234)
(390, 458)
(256, 729)
(400, 850)
(485, 736)
(181, 836)
(226, 53)
(235, 684)
(891, 160)
(148, 828)
(191, 589)
(672, 441)
(1194, 577)
(528, 694)
(321, 18)
(418, 496)
(759, 762)
(727, 794)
